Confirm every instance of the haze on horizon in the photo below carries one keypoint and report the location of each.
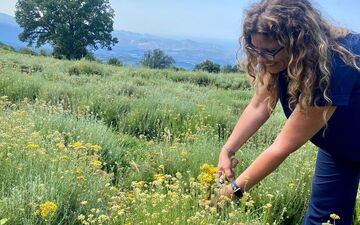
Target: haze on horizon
(204, 19)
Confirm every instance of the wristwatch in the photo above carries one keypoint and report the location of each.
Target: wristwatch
(236, 189)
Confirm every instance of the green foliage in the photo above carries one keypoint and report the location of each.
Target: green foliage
(155, 128)
(177, 68)
(27, 51)
(43, 52)
(86, 67)
(70, 26)
(230, 69)
(157, 59)
(89, 56)
(7, 47)
(208, 66)
(115, 62)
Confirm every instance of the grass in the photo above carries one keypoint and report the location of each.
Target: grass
(86, 143)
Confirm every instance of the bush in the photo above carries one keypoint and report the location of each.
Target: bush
(114, 61)
(27, 51)
(208, 66)
(90, 57)
(7, 47)
(230, 69)
(177, 68)
(43, 52)
(85, 67)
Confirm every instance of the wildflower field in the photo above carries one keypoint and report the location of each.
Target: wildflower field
(87, 143)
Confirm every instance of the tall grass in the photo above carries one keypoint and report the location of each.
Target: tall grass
(117, 145)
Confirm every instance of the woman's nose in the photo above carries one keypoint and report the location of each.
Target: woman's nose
(261, 59)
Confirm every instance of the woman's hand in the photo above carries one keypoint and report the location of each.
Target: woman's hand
(226, 165)
(225, 191)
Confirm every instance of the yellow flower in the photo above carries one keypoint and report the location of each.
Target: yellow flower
(334, 216)
(250, 203)
(327, 223)
(130, 196)
(172, 194)
(81, 217)
(159, 177)
(204, 166)
(96, 163)
(205, 178)
(47, 209)
(60, 145)
(138, 184)
(184, 153)
(96, 147)
(270, 195)
(208, 168)
(84, 202)
(178, 175)
(64, 157)
(291, 185)
(32, 145)
(212, 170)
(78, 146)
(267, 206)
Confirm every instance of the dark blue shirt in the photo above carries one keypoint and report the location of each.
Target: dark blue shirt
(342, 136)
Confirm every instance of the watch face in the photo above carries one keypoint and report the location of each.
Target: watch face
(236, 189)
(238, 193)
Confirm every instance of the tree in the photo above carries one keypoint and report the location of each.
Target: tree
(230, 69)
(208, 66)
(157, 59)
(70, 26)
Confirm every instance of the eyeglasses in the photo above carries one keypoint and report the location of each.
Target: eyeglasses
(270, 55)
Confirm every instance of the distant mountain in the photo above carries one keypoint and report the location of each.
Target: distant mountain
(9, 31)
(131, 46)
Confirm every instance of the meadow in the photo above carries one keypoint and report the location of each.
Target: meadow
(86, 143)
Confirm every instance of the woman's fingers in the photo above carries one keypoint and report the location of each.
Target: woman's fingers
(227, 173)
(234, 162)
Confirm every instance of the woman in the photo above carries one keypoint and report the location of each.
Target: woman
(294, 55)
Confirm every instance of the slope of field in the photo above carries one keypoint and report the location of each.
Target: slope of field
(86, 143)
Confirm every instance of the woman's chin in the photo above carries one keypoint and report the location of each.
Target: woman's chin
(274, 68)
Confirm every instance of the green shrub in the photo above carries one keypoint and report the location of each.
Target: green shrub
(27, 51)
(7, 47)
(85, 67)
(43, 52)
(208, 66)
(115, 62)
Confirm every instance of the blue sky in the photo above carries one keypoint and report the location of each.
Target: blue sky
(212, 19)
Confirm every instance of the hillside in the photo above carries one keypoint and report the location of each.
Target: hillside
(82, 142)
(131, 46)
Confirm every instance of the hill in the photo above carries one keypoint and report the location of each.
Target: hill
(82, 142)
(131, 46)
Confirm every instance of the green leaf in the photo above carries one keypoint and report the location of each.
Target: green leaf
(3, 221)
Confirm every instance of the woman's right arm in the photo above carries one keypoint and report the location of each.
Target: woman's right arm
(252, 118)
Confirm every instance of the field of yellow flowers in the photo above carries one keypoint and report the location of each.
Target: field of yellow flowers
(132, 146)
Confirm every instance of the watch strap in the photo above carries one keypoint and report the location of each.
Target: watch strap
(238, 192)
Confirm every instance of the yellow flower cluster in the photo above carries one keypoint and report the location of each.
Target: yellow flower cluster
(32, 146)
(159, 177)
(79, 146)
(334, 216)
(47, 209)
(207, 174)
(96, 163)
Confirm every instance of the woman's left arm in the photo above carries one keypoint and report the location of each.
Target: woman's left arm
(298, 129)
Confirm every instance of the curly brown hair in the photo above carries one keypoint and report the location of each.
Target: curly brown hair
(309, 40)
